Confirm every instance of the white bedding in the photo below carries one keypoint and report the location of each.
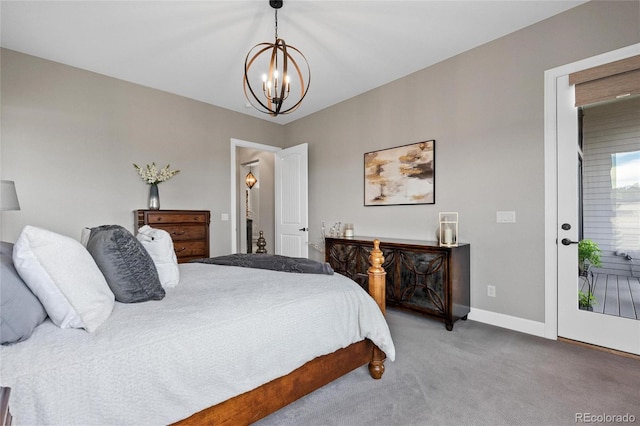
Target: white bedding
(221, 332)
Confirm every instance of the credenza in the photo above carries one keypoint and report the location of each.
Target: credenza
(422, 277)
(189, 230)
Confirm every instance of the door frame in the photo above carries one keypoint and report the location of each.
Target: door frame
(551, 175)
(233, 211)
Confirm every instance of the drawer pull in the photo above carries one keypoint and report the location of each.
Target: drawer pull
(178, 232)
(181, 249)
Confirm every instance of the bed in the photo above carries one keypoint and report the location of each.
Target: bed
(227, 345)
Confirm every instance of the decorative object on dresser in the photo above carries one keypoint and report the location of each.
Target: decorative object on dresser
(154, 197)
(262, 244)
(401, 175)
(348, 230)
(189, 230)
(421, 276)
(448, 229)
(152, 176)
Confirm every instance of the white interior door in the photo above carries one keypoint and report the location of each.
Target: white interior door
(603, 330)
(291, 201)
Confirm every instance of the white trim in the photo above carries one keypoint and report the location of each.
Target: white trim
(506, 321)
(551, 176)
(235, 143)
(551, 208)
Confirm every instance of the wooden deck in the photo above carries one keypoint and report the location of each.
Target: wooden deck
(616, 295)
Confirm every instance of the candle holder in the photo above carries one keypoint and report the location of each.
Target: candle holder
(448, 231)
(348, 230)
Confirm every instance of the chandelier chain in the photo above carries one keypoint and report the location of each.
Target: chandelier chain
(276, 23)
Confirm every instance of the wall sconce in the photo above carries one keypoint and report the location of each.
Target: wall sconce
(448, 229)
(8, 196)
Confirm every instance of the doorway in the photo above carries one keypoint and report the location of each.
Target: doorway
(283, 206)
(249, 153)
(562, 316)
(249, 222)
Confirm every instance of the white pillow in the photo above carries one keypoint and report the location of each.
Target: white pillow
(64, 276)
(84, 236)
(159, 245)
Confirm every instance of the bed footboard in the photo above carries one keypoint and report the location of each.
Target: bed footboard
(251, 406)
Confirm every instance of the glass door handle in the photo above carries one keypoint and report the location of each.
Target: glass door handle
(567, 242)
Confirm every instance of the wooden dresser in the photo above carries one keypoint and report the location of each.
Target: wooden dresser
(189, 230)
(421, 276)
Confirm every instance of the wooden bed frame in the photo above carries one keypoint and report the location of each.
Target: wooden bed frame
(251, 406)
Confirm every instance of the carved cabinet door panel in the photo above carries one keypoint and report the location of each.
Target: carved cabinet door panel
(422, 278)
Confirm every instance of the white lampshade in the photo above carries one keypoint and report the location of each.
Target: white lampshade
(8, 196)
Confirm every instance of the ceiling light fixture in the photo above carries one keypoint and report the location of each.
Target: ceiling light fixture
(281, 62)
(250, 180)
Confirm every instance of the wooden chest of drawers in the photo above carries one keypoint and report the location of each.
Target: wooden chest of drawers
(189, 230)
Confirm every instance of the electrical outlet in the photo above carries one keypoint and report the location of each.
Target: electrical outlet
(491, 290)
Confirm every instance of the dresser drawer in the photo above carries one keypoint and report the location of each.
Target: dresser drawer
(160, 217)
(184, 232)
(189, 230)
(190, 249)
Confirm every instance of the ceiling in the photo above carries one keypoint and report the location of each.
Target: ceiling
(197, 49)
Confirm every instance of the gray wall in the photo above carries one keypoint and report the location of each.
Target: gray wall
(69, 138)
(485, 110)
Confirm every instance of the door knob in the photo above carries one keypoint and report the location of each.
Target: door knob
(303, 229)
(567, 242)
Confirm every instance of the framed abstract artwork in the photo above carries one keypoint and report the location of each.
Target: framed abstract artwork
(401, 175)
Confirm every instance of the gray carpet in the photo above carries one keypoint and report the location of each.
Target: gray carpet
(476, 374)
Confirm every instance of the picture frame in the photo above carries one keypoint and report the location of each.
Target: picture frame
(402, 175)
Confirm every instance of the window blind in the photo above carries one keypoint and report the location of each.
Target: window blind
(609, 81)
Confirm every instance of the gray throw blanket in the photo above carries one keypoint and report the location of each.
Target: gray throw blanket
(273, 262)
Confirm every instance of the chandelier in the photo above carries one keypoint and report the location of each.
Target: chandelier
(273, 76)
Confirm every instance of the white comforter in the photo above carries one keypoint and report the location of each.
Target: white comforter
(221, 332)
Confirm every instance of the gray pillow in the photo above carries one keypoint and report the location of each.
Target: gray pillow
(20, 310)
(125, 264)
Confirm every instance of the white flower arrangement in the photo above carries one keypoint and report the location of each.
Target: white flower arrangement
(152, 176)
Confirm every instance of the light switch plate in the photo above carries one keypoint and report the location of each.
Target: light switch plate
(506, 217)
(224, 216)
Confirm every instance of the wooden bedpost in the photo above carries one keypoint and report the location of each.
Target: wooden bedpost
(377, 276)
(377, 289)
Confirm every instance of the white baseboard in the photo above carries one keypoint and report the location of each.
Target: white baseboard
(506, 321)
